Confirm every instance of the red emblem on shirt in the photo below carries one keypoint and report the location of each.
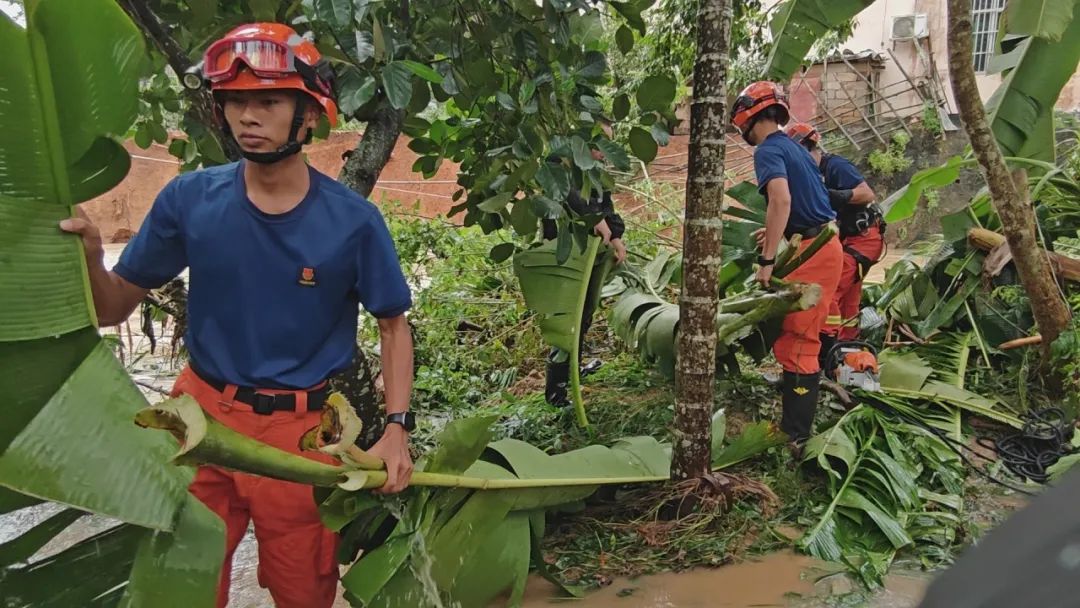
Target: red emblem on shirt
(307, 276)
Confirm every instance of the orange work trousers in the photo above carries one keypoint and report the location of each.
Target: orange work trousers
(800, 338)
(844, 313)
(296, 552)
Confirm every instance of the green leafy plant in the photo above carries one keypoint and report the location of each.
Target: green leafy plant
(474, 516)
(69, 82)
(931, 120)
(891, 160)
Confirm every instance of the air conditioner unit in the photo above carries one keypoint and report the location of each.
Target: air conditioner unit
(908, 27)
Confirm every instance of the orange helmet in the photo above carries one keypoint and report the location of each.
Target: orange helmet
(753, 99)
(803, 133)
(276, 57)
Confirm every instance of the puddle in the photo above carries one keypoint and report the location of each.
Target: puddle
(777, 580)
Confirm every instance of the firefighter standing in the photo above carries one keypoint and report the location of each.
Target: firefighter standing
(280, 259)
(862, 233)
(797, 204)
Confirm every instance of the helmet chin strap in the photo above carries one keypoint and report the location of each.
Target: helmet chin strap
(292, 146)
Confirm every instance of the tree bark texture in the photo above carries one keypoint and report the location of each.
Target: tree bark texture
(366, 162)
(1009, 196)
(201, 103)
(696, 357)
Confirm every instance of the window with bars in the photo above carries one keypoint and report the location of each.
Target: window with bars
(985, 15)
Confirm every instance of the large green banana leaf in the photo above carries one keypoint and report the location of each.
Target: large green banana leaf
(798, 24)
(557, 289)
(472, 520)
(1022, 108)
(68, 85)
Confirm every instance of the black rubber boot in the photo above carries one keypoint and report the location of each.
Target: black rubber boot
(799, 396)
(827, 344)
(558, 378)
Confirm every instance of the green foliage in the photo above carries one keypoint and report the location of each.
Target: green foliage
(526, 81)
(1021, 110)
(798, 24)
(893, 485)
(557, 289)
(668, 44)
(931, 120)
(69, 82)
(473, 335)
(891, 160)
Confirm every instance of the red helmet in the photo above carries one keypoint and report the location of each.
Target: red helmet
(753, 100)
(803, 133)
(276, 57)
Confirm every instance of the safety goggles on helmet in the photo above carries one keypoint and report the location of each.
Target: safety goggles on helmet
(266, 58)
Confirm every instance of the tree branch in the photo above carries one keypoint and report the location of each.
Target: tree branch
(1009, 197)
(366, 162)
(201, 103)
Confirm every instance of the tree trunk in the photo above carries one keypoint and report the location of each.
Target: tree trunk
(696, 363)
(363, 165)
(1009, 196)
(201, 102)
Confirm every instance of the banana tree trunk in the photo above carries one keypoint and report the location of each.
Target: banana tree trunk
(695, 367)
(1065, 267)
(1009, 197)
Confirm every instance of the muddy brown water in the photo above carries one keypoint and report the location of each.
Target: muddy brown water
(782, 579)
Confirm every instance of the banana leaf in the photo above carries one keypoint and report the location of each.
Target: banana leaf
(466, 530)
(558, 291)
(1021, 110)
(881, 474)
(798, 24)
(68, 84)
(907, 375)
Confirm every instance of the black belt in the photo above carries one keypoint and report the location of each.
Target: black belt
(807, 233)
(264, 404)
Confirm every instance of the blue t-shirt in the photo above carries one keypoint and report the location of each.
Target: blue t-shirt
(273, 300)
(839, 173)
(780, 156)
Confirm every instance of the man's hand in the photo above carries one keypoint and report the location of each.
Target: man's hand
(603, 231)
(620, 250)
(393, 448)
(759, 237)
(764, 275)
(91, 236)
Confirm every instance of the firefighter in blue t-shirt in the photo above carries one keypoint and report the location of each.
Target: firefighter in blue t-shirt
(797, 204)
(862, 232)
(280, 259)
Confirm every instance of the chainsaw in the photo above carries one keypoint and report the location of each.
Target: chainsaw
(853, 364)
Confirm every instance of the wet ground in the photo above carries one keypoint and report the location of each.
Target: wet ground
(780, 579)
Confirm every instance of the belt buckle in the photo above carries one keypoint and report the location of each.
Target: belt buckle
(263, 404)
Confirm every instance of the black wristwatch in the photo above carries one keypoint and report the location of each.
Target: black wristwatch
(764, 261)
(406, 419)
